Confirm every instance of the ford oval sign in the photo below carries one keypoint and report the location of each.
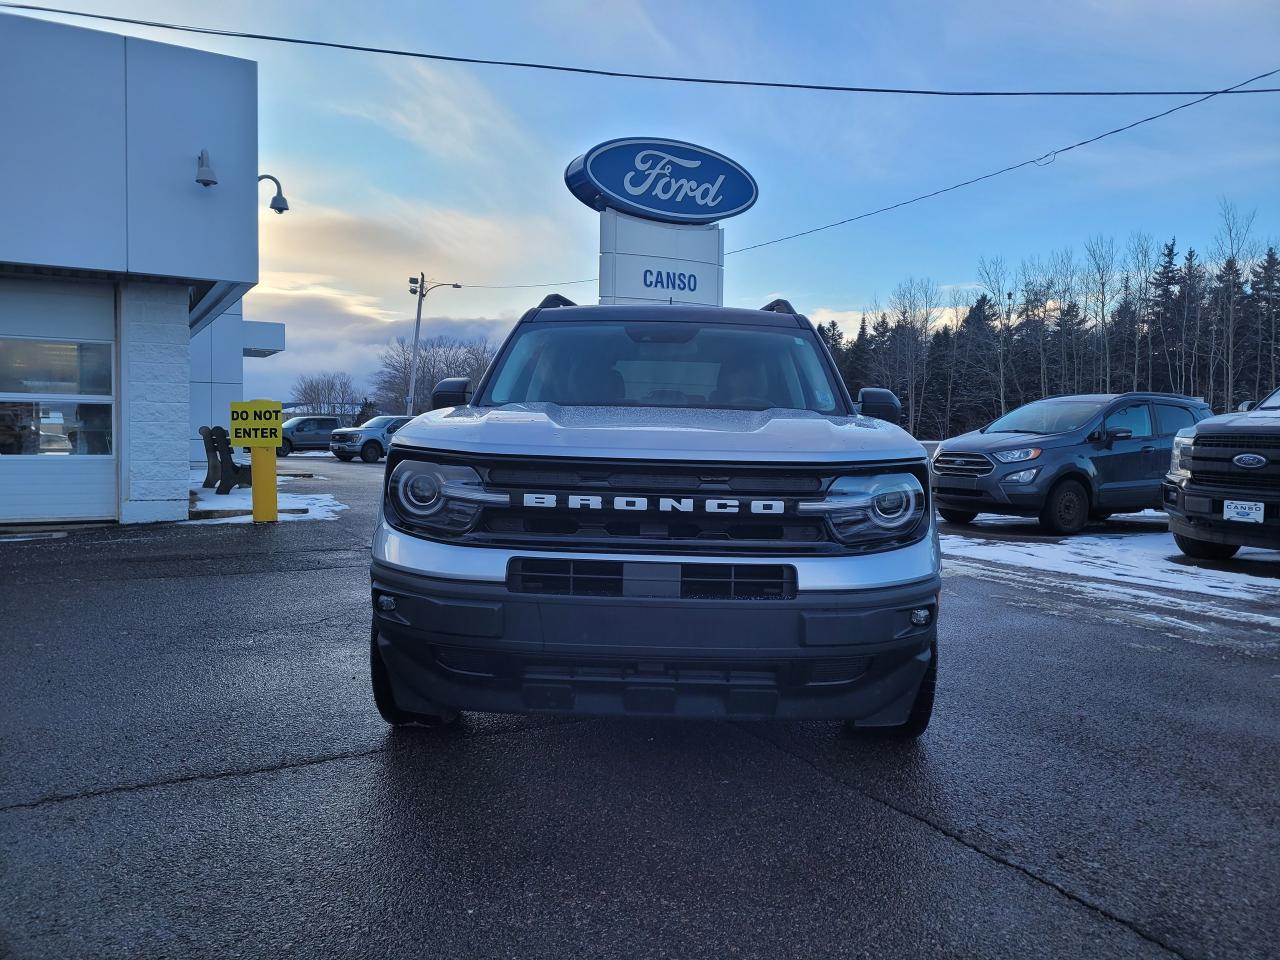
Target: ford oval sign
(661, 180)
(1250, 461)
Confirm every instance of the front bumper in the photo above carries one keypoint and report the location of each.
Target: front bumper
(988, 495)
(346, 446)
(1196, 512)
(850, 653)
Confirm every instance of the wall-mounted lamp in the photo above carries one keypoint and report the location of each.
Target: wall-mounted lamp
(278, 203)
(204, 173)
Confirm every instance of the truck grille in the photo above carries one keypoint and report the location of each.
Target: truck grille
(685, 581)
(950, 464)
(343, 437)
(1212, 466)
(651, 530)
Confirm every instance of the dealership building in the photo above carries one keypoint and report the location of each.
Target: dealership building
(129, 201)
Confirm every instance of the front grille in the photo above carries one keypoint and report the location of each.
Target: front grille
(1239, 442)
(532, 525)
(685, 581)
(962, 465)
(1212, 455)
(342, 437)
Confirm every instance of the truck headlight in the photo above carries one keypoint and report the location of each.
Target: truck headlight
(1180, 461)
(872, 511)
(1017, 456)
(438, 498)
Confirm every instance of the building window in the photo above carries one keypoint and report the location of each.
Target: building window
(55, 397)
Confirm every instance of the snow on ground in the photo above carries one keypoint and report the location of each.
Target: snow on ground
(308, 453)
(318, 506)
(1140, 574)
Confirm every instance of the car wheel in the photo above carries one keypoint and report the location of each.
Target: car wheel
(921, 711)
(371, 452)
(1066, 509)
(384, 699)
(284, 449)
(1203, 550)
(345, 457)
(957, 516)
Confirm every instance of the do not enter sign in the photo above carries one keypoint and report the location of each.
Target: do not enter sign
(255, 423)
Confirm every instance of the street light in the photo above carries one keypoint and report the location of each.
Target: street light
(419, 287)
(278, 203)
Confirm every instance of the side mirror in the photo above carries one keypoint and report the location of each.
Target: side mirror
(880, 403)
(1245, 407)
(453, 392)
(1112, 434)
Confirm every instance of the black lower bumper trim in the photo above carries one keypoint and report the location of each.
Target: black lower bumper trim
(846, 655)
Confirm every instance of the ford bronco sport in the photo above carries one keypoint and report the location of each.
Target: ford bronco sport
(657, 511)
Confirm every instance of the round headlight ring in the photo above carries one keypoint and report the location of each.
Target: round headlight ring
(420, 492)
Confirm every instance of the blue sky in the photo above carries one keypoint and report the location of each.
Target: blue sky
(392, 165)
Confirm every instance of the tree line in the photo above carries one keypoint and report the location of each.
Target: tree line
(1107, 319)
(335, 393)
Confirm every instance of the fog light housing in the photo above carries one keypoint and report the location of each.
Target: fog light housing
(386, 602)
(1022, 476)
(921, 616)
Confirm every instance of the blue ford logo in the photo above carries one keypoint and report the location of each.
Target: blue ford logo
(1250, 461)
(664, 180)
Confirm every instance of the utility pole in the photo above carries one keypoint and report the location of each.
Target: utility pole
(419, 287)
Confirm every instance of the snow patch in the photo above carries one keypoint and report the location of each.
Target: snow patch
(318, 506)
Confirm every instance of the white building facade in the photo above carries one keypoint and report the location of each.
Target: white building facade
(120, 275)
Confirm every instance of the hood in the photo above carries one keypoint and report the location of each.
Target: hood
(659, 433)
(1251, 421)
(975, 442)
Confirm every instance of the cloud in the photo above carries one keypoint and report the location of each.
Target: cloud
(445, 113)
(337, 280)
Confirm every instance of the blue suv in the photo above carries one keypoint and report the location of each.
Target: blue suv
(369, 441)
(1066, 460)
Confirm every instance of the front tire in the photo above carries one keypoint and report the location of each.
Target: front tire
(957, 516)
(284, 449)
(371, 452)
(921, 710)
(1066, 509)
(1203, 550)
(384, 698)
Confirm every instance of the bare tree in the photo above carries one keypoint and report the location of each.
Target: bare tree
(1100, 255)
(326, 392)
(1232, 250)
(994, 276)
(1140, 263)
(438, 358)
(915, 306)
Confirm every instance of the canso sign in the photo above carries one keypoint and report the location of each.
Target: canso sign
(666, 180)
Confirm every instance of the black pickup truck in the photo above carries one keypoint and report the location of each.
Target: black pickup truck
(1223, 488)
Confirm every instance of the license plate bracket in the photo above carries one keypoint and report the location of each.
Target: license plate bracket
(1243, 511)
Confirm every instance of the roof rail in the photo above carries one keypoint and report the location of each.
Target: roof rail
(780, 306)
(555, 300)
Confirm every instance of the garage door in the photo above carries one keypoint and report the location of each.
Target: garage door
(57, 401)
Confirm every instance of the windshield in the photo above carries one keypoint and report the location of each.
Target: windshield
(1271, 402)
(671, 363)
(1048, 416)
(377, 422)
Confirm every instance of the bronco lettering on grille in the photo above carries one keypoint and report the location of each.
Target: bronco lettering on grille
(660, 504)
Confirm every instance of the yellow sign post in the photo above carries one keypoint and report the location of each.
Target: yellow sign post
(256, 424)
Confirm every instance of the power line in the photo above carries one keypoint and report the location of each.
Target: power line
(1040, 161)
(622, 74)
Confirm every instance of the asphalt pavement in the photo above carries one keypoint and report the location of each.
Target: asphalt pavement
(190, 766)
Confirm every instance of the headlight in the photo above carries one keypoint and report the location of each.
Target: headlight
(1180, 462)
(1017, 456)
(438, 498)
(872, 511)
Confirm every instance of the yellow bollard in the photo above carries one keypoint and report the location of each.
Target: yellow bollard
(265, 505)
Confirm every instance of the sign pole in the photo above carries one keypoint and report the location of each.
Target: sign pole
(265, 504)
(256, 424)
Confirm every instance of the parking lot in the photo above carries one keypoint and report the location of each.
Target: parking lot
(192, 767)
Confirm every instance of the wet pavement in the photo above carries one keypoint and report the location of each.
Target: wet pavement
(190, 766)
